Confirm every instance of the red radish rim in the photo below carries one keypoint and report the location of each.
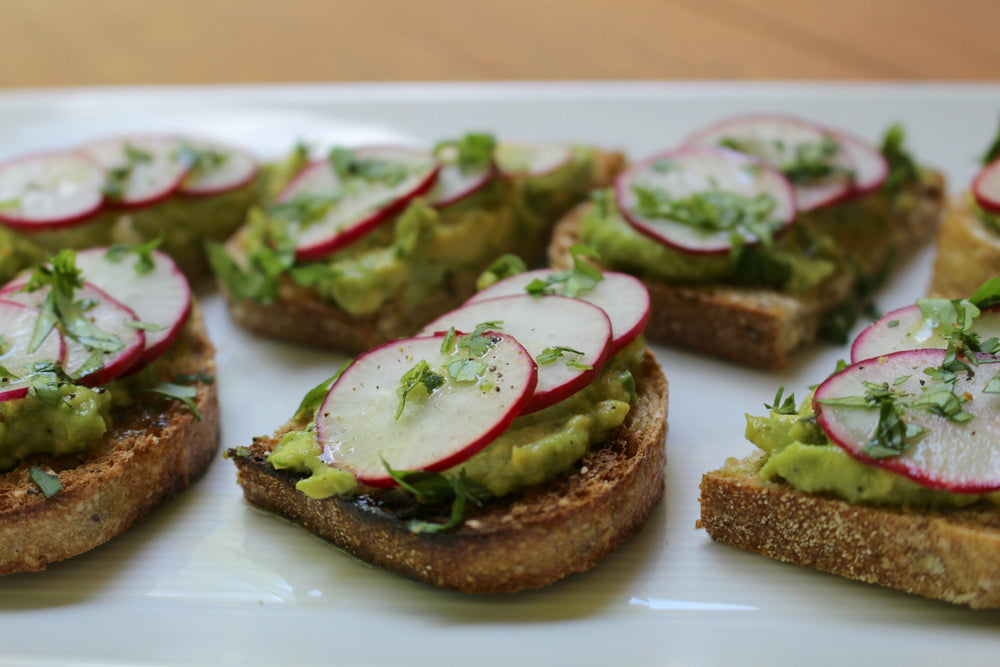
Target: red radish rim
(458, 457)
(19, 223)
(988, 203)
(901, 466)
(123, 361)
(21, 392)
(875, 326)
(369, 222)
(863, 184)
(149, 200)
(188, 190)
(837, 195)
(723, 245)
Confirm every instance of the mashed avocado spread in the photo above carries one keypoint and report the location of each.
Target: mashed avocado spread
(798, 453)
(535, 448)
(422, 250)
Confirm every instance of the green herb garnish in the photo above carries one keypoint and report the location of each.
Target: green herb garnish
(47, 483)
(183, 393)
(551, 354)
(431, 488)
(473, 151)
(993, 152)
(314, 397)
(116, 180)
(199, 160)
(581, 278)
(144, 262)
(420, 374)
(786, 407)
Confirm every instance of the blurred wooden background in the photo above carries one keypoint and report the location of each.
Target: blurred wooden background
(109, 42)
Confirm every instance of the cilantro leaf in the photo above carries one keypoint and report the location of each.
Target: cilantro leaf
(314, 397)
(420, 374)
(903, 168)
(183, 393)
(786, 407)
(581, 278)
(472, 151)
(47, 483)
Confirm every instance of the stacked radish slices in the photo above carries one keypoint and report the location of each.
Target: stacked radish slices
(95, 315)
(922, 394)
(431, 402)
(744, 180)
(62, 189)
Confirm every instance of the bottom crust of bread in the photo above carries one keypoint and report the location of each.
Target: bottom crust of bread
(968, 253)
(951, 555)
(155, 449)
(526, 540)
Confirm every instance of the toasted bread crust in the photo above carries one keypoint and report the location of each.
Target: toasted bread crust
(155, 449)
(754, 326)
(300, 315)
(522, 541)
(950, 555)
(968, 253)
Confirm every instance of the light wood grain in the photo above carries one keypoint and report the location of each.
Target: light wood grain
(107, 42)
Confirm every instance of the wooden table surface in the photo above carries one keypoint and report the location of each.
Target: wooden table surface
(112, 42)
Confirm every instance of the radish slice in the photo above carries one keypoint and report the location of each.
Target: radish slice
(17, 323)
(455, 183)
(781, 141)
(906, 329)
(986, 187)
(357, 425)
(623, 298)
(214, 167)
(124, 343)
(532, 159)
(541, 324)
(141, 170)
(49, 190)
(357, 205)
(700, 175)
(159, 295)
(962, 457)
(870, 166)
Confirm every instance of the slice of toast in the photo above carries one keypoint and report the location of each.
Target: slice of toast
(155, 448)
(762, 327)
(946, 554)
(301, 315)
(968, 252)
(525, 540)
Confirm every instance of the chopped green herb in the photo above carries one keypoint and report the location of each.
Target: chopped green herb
(183, 393)
(431, 488)
(466, 370)
(145, 326)
(477, 343)
(893, 324)
(200, 160)
(903, 168)
(505, 267)
(420, 374)
(448, 344)
(346, 163)
(579, 279)
(993, 386)
(314, 397)
(144, 262)
(117, 178)
(786, 407)
(809, 162)
(473, 151)
(993, 152)
(551, 354)
(47, 483)
(189, 378)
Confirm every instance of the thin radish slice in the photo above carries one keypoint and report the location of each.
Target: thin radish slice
(92, 362)
(622, 297)
(382, 181)
(870, 166)
(792, 146)
(455, 183)
(140, 170)
(17, 360)
(959, 456)
(546, 327)
(49, 190)
(532, 159)
(696, 198)
(215, 168)
(907, 329)
(358, 428)
(986, 187)
(159, 293)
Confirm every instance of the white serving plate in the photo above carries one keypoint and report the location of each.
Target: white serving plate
(210, 580)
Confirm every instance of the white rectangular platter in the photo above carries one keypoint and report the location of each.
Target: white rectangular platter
(210, 580)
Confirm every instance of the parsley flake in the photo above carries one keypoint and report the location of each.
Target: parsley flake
(47, 483)
(420, 374)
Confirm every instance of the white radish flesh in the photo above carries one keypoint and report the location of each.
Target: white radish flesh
(357, 425)
(701, 172)
(906, 329)
(622, 297)
(455, 183)
(17, 324)
(159, 295)
(358, 204)
(532, 159)
(870, 166)
(541, 323)
(780, 141)
(49, 190)
(148, 168)
(222, 168)
(962, 457)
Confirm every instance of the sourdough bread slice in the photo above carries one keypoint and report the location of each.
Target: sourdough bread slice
(947, 554)
(525, 540)
(762, 327)
(299, 314)
(968, 252)
(155, 448)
